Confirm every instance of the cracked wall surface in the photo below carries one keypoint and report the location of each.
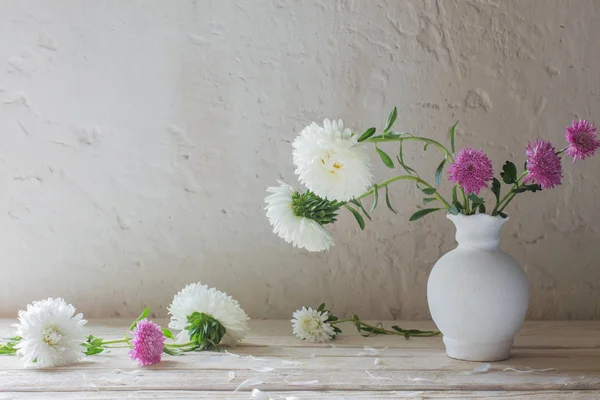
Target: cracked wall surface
(138, 139)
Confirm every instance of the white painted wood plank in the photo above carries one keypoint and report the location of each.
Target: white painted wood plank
(338, 379)
(309, 395)
(571, 349)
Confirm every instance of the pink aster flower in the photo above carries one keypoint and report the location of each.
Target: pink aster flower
(543, 164)
(471, 169)
(582, 138)
(148, 343)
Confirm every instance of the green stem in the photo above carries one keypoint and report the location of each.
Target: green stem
(382, 139)
(409, 178)
(179, 345)
(380, 330)
(507, 198)
(125, 340)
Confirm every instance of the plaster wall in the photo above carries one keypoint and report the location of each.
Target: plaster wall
(137, 139)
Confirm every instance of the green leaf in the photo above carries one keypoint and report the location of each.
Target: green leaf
(429, 191)
(391, 119)
(143, 315)
(385, 158)
(375, 197)
(93, 350)
(438, 172)
(168, 334)
(428, 200)
(458, 206)
(528, 188)
(482, 208)
(359, 204)
(400, 158)
(387, 200)
(454, 209)
(367, 134)
(452, 132)
(395, 134)
(509, 174)
(172, 351)
(475, 199)
(496, 189)
(321, 307)
(422, 213)
(359, 219)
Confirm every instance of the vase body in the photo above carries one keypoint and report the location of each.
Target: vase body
(477, 294)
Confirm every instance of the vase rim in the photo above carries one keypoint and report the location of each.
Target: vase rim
(453, 217)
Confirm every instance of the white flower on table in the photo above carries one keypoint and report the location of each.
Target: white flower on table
(311, 325)
(211, 304)
(51, 335)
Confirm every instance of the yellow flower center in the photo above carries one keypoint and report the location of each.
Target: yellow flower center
(51, 335)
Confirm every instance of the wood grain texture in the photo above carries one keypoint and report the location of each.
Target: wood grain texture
(551, 360)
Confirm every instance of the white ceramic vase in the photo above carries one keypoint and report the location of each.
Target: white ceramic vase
(477, 294)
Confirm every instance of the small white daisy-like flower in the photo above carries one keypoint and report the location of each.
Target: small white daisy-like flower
(300, 231)
(331, 162)
(310, 325)
(196, 297)
(51, 335)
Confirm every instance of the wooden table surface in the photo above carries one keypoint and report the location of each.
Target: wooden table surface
(550, 360)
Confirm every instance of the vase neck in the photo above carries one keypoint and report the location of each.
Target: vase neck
(480, 231)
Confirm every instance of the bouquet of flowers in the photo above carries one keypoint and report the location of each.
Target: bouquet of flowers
(331, 161)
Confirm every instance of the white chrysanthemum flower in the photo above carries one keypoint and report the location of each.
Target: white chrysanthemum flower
(310, 325)
(196, 297)
(300, 231)
(51, 334)
(330, 161)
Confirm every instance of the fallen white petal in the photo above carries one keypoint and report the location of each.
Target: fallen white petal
(304, 382)
(257, 394)
(482, 369)
(288, 363)
(258, 359)
(417, 379)
(231, 376)
(232, 354)
(377, 377)
(262, 369)
(528, 370)
(377, 361)
(249, 382)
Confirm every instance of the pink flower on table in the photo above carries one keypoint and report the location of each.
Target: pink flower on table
(543, 164)
(471, 169)
(148, 343)
(582, 138)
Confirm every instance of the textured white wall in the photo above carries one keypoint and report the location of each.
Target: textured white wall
(138, 138)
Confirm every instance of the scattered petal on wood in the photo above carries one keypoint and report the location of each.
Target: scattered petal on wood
(377, 361)
(287, 363)
(262, 369)
(302, 383)
(528, 370)
(249, 382)
(258, 359)
(371, 351)
(377, 377)
(257, 394)
(230, 376)
(418, 379)
(232, 354)
(482, 369)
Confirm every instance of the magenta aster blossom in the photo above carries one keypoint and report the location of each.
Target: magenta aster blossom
(582, 138)
(148, 343)
(471, 169)
(543, 164)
